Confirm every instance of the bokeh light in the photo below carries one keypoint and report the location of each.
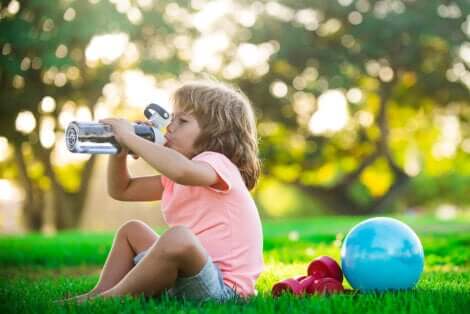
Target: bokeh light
(25, 122)
(332, 114)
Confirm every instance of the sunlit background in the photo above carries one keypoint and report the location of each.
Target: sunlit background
(378, 118)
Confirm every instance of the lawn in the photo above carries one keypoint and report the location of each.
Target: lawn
(38, 269)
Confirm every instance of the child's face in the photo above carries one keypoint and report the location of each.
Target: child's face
(182, 132)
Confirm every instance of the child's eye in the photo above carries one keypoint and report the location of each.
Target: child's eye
(183, 120)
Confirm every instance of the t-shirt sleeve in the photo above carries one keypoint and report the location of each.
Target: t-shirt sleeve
(222, 166)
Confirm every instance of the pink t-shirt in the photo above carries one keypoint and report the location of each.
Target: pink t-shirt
(226, 222)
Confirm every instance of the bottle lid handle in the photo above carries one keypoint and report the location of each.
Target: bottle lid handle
(153, 109)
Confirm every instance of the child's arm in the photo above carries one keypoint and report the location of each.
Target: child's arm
(169, 162)
(124, 188)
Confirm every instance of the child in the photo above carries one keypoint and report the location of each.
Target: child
(213, 248)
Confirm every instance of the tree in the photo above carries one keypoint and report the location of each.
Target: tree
(43, 55)
(401, 64)
(400, 54)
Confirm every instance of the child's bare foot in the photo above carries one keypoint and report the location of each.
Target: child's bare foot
(77, 299)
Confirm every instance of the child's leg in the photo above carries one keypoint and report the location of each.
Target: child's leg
(177, 253)
(131, 238)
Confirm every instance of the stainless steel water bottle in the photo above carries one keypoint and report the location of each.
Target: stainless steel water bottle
(98, 138)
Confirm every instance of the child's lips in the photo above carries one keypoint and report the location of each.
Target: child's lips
(167, 140)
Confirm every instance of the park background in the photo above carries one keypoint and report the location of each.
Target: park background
(363, 106)
(363, 110)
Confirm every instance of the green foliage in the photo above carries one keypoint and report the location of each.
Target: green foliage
(276, 199)
(413, 42)
(452, 188)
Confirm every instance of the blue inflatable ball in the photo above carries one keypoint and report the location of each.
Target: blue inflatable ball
(382, 254)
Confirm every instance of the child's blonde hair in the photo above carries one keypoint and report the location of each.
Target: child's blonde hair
(227, 123)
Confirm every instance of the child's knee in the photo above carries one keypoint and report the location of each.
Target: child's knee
(179, 241)
(130, 226)
(181, 234)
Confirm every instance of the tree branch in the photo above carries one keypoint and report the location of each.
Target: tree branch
(354, 175)
(86, 175)
(379, 204)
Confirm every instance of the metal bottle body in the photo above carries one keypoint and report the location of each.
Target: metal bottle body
(98, 138)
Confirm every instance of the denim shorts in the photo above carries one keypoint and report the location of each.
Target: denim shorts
(208, 284)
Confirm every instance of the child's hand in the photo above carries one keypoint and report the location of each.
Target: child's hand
(120, 127)
(135, 156)
(146, 122)
(125, 151)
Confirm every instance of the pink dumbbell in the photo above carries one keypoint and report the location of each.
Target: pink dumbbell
(296, 286)
(287, 286)
(325, 266)
(324, 276)
(324, 286)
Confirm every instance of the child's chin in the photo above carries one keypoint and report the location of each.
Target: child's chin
(168, 145)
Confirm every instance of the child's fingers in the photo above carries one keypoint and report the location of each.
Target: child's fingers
(143, 122)
(122, 152)
(134, 155)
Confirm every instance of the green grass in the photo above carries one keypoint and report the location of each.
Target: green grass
(37, 269)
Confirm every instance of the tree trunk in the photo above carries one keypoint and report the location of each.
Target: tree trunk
(33, 207)
(67, 207)
(337, 198)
